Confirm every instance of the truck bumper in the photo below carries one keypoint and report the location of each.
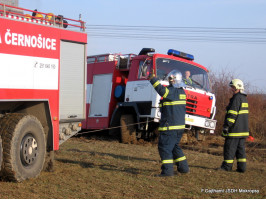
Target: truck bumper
(200, 122)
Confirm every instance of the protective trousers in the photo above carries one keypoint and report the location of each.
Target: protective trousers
(171, 153)
(234, 147)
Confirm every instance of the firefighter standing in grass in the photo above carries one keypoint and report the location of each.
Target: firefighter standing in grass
(235, 128)
(172, 123)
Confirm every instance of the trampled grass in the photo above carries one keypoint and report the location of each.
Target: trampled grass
(90, 168)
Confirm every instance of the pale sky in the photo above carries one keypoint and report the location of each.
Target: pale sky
(227, 34)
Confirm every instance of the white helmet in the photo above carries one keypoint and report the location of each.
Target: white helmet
(237, 83)
(175, 78)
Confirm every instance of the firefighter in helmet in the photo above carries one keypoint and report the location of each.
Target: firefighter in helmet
(235, 128)
(172, 123)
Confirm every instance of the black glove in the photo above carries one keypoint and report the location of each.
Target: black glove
(225, 130)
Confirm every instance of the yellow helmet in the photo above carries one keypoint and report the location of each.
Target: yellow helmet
(28, 16)
(49, 16)
(39, 16)
(237, 83)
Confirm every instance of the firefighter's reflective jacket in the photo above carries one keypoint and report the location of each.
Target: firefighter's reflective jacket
(236, 118)
(188, 81)
(173, 106)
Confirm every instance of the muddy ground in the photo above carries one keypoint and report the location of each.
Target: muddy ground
(95, 166)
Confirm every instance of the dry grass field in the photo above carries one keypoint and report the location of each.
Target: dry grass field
(94, 166)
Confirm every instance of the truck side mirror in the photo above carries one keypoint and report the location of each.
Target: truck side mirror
(145, 51)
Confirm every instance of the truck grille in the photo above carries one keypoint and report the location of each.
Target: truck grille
(198, 104)
(191, 106)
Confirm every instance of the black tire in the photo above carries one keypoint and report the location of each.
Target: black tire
(128, 131)
(1, 154)
(24, 147)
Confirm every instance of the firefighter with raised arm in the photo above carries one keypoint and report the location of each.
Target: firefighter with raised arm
(235, 128)
(172, 123)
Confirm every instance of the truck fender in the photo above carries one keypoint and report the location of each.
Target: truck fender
(124, 108)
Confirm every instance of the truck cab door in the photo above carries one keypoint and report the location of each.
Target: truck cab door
(139, 88)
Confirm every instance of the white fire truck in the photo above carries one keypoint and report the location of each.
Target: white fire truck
(42, 88)
(119, 93)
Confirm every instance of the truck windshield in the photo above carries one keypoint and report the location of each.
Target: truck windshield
(192, 75)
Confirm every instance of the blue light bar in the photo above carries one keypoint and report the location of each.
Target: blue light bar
(180, 54)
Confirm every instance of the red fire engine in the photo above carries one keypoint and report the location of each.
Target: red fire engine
(119, 93)
(42, 87)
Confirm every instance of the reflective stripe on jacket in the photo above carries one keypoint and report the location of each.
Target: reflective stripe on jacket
(187, 81)
(236, 118)
(173, 106)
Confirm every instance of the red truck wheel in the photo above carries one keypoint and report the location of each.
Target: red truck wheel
(128, 131)
(24, 147)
